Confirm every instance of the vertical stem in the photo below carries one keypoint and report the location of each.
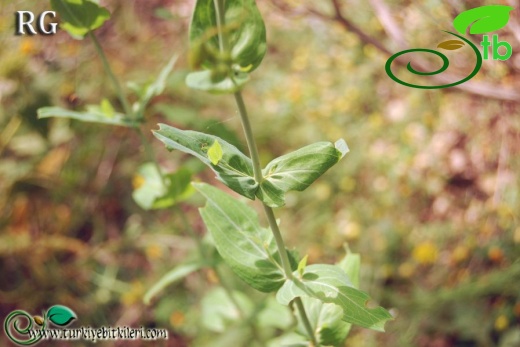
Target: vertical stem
(115, 82)
(250, 139)
(219, 8)
(270, 214)
(257, 171)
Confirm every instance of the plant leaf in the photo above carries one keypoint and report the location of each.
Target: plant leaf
(326, 321)
(244, 28)
(483, 19)
(351, 264)
(330, 284)
(215, 153)
(172, 276)
(60, 315)
(93, 115)
(218, 311)
(302, 264)
(156, 87)
(234, 169)
(201, 80)
(80, 16)
(247, 248)
(298, 170)
(151, 193)
(451, 45)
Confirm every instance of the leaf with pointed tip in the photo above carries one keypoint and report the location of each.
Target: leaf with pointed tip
(298, 170)
(245, 246)
(483, 19)
(60, 315)
(80, 16)
(234, 169)
(451, 45)
(330, 284)
(94, 114)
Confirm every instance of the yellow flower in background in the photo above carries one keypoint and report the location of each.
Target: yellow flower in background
(137, 181)
(27, 46)
(501, 323)
(154, 251)
(134, 295)
(425, 253)
(177, 318)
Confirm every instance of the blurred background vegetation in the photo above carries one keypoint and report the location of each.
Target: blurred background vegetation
(429, 194)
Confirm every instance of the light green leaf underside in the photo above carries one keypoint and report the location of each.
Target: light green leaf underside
(330, 284)
(297, 170)
(80, 16)
(93, 115)
(247, 248)
(201, 80)
(172, 276)
(483, 19)
(152, 193)
(234, 169)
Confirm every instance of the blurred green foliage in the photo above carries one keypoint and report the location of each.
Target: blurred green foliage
(429, 193)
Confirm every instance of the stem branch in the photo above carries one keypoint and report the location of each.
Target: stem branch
(108, 70)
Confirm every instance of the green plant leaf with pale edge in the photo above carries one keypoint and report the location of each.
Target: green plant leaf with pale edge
(451, 45)
(483, 19)
(326, 318)
(151, 193)
(297, 170)
(147, 92)
(80, 16)
(234, 169)
(330, 284)
(94, 114)
(172, 276)
(246, 247)
(60, 315)
(244, 29)
(201, 80)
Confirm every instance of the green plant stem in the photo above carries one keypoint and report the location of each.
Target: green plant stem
(257, 171)
(253, 150)
(108, 70)
(219, 8)
(128, 110)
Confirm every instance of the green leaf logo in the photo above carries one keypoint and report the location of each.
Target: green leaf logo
(451, 45)
(482, 19)
(61, 315)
